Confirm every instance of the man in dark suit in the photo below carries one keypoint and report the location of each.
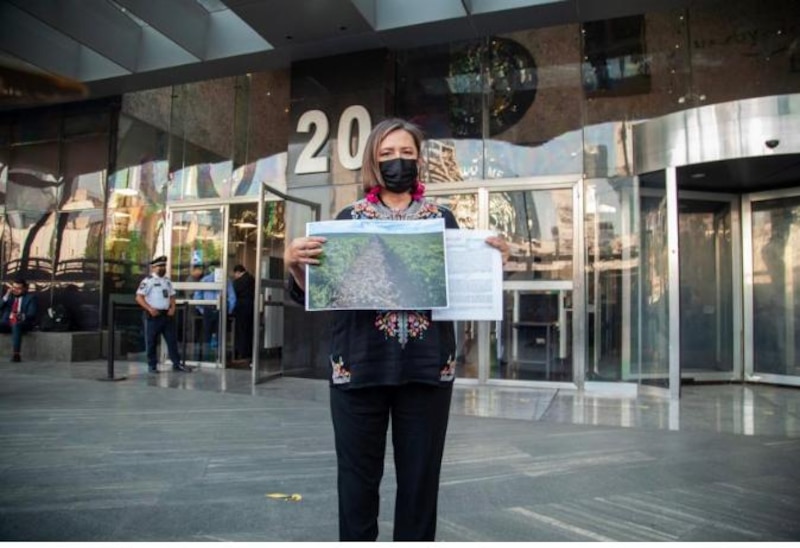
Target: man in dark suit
(244, 286)
(18, 314)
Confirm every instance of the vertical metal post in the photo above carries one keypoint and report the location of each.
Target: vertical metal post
(110, 365)
(674, 303)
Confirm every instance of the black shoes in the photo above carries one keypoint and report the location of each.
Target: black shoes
(16, 357)
(180, 367)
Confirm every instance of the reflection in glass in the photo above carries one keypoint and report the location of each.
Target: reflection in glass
(198, 332)
(452, 160)
(654, 298)
(78, 241)
(538, 226)
(753, 50)
(463, 206)
(206, 180)
(611, 227)
(247, 179)
(197, 238)
(85, 163)
(27, 245)
(615, 61)
(707, 332)
(201, 139)
(270, 328)
(776, 286)
(3, 177)
(134, 232)
(33, 180)
(441, 89)
(466, 350)
(544, 93)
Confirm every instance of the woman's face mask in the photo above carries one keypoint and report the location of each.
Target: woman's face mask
(399, 174)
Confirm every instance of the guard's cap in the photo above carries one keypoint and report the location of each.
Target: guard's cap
(159, 261)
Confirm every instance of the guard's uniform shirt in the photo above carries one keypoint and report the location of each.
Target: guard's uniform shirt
(157, 291)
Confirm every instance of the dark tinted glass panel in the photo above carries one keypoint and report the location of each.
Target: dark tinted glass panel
(742, 48)
(36, 125)
(5, 131)
(534, 110)
(87, 123)
(82, 303)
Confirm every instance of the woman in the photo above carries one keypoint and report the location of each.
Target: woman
(397, 364)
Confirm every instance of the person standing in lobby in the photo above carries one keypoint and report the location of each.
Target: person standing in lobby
(244, 286)
(18, 314)
(157, 297)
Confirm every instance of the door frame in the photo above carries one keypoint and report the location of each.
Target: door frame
(482, 189)
(221, 286)
(733, 200)
(750, 375)
(269, 193)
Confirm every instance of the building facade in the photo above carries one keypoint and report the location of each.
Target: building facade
(644, 168)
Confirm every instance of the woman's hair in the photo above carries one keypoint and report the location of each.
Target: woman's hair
(370, 170)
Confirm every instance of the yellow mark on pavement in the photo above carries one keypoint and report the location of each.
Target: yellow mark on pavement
(294, 497)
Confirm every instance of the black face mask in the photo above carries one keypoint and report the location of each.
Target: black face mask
(399, 175)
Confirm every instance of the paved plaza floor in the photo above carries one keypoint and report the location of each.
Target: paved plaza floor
(204, 456)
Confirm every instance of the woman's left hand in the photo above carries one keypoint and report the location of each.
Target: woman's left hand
(500, 243)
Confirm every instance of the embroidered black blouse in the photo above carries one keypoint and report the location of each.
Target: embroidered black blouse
(382, 347)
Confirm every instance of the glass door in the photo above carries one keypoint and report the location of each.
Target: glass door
(710, 318)
(197, 266)
(243, 267)
(536, 332)
(772, 286)
(536, 339)
(657, 337)
(279, 217)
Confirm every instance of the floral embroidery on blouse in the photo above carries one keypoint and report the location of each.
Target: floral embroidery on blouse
(362, 209)
(402, 325)
(340, 374)
(429, 210)
(448, 372)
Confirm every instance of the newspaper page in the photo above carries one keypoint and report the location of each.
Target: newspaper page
(475, 277)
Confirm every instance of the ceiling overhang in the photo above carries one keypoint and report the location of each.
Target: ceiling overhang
(117, 46)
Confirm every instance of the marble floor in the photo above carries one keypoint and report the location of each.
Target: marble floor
(754, 409)
(208, 457)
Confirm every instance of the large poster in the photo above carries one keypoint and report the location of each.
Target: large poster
(378, 265)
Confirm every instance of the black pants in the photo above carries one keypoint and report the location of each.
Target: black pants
(243, 336)
(419, 415)
(160, 325)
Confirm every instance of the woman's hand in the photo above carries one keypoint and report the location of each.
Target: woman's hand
(498, 242)
(301, 252)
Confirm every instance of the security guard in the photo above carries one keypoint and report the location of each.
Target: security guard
(157, 297)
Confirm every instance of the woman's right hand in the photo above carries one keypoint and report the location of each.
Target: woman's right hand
(301, 252)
